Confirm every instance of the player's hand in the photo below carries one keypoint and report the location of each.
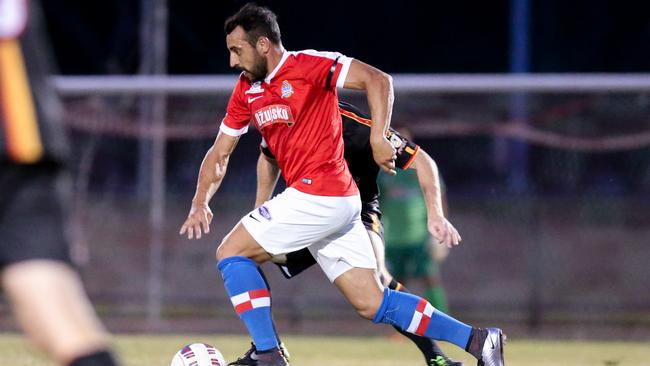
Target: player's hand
(200, 217)
(443, 231)
(384, 154)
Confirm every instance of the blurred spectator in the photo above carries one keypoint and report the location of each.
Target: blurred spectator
(411, 252)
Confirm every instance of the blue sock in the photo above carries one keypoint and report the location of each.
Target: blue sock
(415, 315)
(251, 299)
(266, 282)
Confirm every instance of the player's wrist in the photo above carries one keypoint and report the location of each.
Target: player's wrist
(199, 202)
(377, 138)
(435, 215)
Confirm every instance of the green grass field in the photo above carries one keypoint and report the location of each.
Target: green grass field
(147, 350)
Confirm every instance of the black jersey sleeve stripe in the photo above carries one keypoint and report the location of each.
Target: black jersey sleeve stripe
(406, 151)
(350, 108)
(355, 117)
(350, 111)
(330, 75)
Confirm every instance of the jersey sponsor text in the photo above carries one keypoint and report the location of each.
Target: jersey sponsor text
(275, 113)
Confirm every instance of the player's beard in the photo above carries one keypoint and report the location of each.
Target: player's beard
(259, 69)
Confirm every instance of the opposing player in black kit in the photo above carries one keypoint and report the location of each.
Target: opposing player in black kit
(45, 292)
(358, 155)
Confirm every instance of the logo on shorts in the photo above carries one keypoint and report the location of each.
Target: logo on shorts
(287, 89)
(306, 180)
(264, 212)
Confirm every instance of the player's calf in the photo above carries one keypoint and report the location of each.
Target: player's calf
(251, 298)
(362, 289)
(415, 315)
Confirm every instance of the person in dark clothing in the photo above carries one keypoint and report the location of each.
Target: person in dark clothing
(45, 292)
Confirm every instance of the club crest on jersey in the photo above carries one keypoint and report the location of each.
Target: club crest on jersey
(287, 89)
(256, 88)
(274, 113)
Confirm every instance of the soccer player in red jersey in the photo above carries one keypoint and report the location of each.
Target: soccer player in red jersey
(291, 99)
(358, 156)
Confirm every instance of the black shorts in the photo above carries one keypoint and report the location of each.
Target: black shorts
(372, 221)
(302, 259)
(31, 214)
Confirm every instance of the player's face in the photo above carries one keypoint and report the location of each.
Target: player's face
(245, 57)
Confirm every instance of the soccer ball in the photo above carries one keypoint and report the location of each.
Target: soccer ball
(198, 354)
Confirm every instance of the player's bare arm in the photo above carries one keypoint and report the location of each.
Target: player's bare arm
(379, 88)
(268, 173)
(211, 173)
(429, 179)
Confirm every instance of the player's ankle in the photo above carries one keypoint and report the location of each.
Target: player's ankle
(475, 342)
(99, 358)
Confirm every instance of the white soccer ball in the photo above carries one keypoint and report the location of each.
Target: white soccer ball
(198, 354)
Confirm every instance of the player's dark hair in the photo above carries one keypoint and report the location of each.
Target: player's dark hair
(257, 21)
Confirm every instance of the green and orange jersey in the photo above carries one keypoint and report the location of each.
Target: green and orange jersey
(29, 107)
(404, 209)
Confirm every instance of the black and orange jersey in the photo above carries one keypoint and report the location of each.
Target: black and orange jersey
(358, 153)
(30, 111)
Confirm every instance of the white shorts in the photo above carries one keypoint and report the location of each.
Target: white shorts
(330, 226)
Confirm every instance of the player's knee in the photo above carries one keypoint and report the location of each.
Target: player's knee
(222, 252)
(366, 307)
(229, 249)
(368, 310)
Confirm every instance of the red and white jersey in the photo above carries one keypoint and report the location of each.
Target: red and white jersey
(296, 110)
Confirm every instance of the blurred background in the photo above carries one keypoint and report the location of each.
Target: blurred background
(537, 113)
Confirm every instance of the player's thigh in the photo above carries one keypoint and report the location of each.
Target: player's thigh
(361, 287)
(379, 250)
(375, 232)
(294, 263)
(348, 260)
(347, 248)
(377, 247)
(294, 220)
(239, 242)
